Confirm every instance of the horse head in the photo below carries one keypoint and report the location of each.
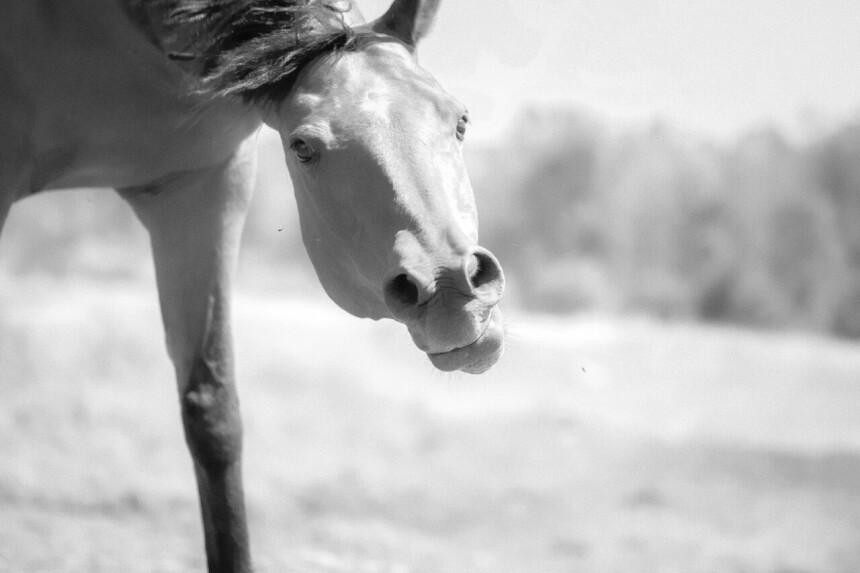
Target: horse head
(374, 147)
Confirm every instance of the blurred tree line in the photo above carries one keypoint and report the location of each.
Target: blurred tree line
(759, 232)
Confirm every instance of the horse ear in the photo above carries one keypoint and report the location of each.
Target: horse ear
(348, 10)
(407, 20)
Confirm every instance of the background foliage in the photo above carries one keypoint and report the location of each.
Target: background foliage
(761, 231)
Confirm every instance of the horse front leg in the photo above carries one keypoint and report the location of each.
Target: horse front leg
(195, 222)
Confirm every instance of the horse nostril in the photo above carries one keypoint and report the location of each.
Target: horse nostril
(402, 290)
(484, 270)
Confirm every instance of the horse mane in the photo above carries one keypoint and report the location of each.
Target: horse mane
(255, 49)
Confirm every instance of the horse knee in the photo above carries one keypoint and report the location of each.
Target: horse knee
(210, 416)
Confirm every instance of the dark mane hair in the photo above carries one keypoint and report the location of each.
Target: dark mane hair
(255, 49)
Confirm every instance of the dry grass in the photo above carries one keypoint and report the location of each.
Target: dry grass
(597, 445)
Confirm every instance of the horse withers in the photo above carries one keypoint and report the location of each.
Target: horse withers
(163, 99)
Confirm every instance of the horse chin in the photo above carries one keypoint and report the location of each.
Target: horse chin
(480, 355)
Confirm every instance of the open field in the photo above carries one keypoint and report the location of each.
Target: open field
(596, 445)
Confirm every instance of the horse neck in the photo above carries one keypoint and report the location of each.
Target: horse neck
(151, 19)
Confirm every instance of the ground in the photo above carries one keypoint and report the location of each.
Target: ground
(596, 445)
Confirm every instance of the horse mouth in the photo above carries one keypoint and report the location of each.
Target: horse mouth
(477, 356)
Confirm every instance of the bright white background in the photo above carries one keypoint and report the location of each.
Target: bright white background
(718, 67)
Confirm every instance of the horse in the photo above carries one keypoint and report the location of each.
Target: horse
(162, 101)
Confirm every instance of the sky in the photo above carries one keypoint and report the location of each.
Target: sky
(717, 67)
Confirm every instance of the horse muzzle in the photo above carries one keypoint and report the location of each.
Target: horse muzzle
(478, 356)
(452, 310)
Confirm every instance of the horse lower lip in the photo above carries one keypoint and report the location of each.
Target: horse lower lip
(453, 359)
(465, 346)
(473, 357)
(455, 350)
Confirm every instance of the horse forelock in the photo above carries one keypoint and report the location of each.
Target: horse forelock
(255, 49)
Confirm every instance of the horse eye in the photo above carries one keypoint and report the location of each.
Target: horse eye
(461, 127)
(304, 152)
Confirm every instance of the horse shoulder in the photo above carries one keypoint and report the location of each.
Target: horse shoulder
(98, 104)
